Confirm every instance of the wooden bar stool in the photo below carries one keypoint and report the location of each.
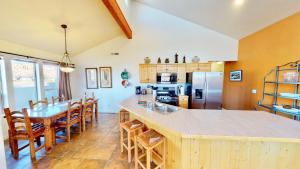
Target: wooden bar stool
(150, 141)
(123, 116)
(132, 128)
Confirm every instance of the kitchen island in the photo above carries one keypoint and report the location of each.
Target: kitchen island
(222, 139)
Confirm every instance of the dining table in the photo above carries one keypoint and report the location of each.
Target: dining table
(48, 114)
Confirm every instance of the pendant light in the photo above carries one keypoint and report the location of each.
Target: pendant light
(65, 63)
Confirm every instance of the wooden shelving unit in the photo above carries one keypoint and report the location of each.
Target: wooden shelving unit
(274, 85)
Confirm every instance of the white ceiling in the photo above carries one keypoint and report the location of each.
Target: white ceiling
(36, 24)
(223, 16)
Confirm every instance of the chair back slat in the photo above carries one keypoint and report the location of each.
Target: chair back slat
(74, 109)
(32, 104)
(88, 106)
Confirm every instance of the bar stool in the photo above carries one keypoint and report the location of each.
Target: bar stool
(123, 116)
(132, 128)
(150, 141)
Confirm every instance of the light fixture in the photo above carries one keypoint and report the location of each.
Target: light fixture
(239, 2)
(65, 63)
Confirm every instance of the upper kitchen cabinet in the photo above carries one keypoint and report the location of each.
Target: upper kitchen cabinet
(181, 73)
(166, 68)
(148, 73)
(198, 67)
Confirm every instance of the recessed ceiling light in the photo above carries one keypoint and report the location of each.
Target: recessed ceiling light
(239, 2)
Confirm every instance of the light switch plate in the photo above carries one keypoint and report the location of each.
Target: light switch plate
(253, 91)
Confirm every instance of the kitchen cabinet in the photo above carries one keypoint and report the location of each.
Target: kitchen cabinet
(198, 67)
(166, 68)
(148, 73)
(192, 67)
(181, 73)
(183, 101)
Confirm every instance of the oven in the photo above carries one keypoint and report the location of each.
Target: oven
(166, 78)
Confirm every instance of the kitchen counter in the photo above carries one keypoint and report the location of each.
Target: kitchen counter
(216, 139)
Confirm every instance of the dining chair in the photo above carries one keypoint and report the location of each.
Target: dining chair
(88, 111)
(87, 97)
(57, 99)
(21, 128)
(40, 102)
(73, 117)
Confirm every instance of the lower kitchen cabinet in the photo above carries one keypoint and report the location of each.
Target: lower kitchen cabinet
(183, 101)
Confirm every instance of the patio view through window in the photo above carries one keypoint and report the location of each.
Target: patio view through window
(24, 82)
(50, 72)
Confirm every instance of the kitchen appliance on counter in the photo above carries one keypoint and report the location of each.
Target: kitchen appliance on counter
(166, 78)
(205, 90)
(180, 90)
(167, 95)
(138, 90)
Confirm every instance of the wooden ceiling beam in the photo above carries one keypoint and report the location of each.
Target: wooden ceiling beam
(118, 15)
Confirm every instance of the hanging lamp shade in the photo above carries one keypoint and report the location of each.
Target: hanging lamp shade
(65, 63)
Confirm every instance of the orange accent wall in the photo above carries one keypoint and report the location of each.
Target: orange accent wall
(258, 54)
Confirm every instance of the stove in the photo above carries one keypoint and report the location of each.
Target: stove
(167, 95)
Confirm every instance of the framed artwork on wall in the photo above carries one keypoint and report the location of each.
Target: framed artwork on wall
(105, 77)
(91, 75)
(236, 75)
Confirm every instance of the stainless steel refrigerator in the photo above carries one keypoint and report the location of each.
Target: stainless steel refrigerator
(205, 90)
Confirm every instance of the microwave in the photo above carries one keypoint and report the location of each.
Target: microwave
(166, 78)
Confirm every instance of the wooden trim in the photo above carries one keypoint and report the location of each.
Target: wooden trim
(86, 78)
(117, 13)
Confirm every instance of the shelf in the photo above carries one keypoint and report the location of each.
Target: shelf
(284, 97)
(294, 112)
(291, 83)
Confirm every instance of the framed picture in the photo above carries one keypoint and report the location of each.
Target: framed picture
(236, 75)
(105, 77)
(91, 75)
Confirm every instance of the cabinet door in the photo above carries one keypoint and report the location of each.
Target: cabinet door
(171, 68)
(143, 73)
(183, 101)
(152, 73)
(161, 68)
(181, 74)
(204, 67)
(192, 67)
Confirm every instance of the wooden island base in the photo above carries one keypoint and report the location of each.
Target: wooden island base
(222, 152)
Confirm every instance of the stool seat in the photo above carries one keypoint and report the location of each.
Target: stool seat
(150, 138)
(132, 125)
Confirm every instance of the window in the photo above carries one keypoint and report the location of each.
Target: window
(24, 82)
(51, 77)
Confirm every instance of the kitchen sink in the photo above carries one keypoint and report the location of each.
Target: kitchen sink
(160, 107)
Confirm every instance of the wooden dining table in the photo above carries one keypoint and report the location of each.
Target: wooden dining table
(49, 114)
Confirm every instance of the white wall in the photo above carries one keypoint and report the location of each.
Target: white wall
(155, 34)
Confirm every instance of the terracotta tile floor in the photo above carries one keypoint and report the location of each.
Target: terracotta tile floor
(97, 148)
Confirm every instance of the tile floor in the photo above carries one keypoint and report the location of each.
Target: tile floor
(97, 148)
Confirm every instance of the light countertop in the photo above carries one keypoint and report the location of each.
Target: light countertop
(230, 124)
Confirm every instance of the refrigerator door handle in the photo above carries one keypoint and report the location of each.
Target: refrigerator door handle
(205, 96)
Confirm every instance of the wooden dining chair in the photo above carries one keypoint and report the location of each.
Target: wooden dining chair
(73, 117)
(88, 111)
(57, 99)
(21, 128)
(40, 102)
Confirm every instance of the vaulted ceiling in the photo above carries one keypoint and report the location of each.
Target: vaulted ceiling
(36, 24)
(224, 16)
